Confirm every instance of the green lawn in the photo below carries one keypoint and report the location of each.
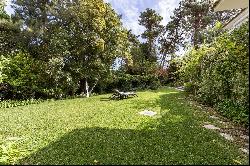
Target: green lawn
(99, 131)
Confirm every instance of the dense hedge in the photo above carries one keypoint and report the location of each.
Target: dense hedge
(218, 74)
(23, 77)
(127, 82)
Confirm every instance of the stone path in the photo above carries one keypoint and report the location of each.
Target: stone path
(211, 127)
(230, 133)
(148, 113)
(245, 150)
(227, 136)
(213, 117)
(229, 130)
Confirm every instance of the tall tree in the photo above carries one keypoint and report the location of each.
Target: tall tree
(9, 32)
(81, 37)
(136, 55)
(171, 37)
(96, 38)
(197, 16)
(3, 13)
(38, 18)
(151, 21)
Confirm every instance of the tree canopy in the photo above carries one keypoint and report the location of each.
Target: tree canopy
(67, 47)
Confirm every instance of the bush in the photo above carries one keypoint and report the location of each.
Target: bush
(127, 82)
(6, 91)
(27, 78)
(218, 74)
(189, 87)
(22, 74)
(234, 111)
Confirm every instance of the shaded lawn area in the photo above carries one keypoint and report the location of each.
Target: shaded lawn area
(97, 131)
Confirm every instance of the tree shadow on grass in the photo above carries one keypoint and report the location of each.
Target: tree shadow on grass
(172, 139)
(115, 146)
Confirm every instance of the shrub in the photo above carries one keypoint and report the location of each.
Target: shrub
(218, 74)
(6, 91)
(33, 78)
(234, 111)
(189, 87)
(127, 82)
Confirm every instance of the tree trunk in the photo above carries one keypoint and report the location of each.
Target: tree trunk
(163, 60)
(88, 92)
(87, 87)
(196, 40)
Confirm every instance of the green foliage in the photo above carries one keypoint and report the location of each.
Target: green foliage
(225, 73)
(191, 19)
(3, 14)
(143, 63)
(32, 78)
(9, 33)
(22, 73)
(170, 75)
(57, 46)
(189, 87)
(219, 73)
(190, 70)
(151, 21)
(127, 82)
(191, 24)
(208, 35)
(19, 69)
(173, 70)
(3, 61)
(97, 44)
(234, 110)
(171, 37)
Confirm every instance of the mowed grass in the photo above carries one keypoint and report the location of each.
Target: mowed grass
(96, 130)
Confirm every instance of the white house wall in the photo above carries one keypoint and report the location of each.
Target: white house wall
(231, 4)
(237, 21)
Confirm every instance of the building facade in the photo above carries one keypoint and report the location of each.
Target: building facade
(243, 16)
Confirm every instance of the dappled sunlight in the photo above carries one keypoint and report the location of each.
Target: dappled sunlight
(86, 131)
(79, 86)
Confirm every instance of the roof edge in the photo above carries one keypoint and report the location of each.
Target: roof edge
(234, 17)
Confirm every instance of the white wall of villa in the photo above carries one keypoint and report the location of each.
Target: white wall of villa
(233, 4)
